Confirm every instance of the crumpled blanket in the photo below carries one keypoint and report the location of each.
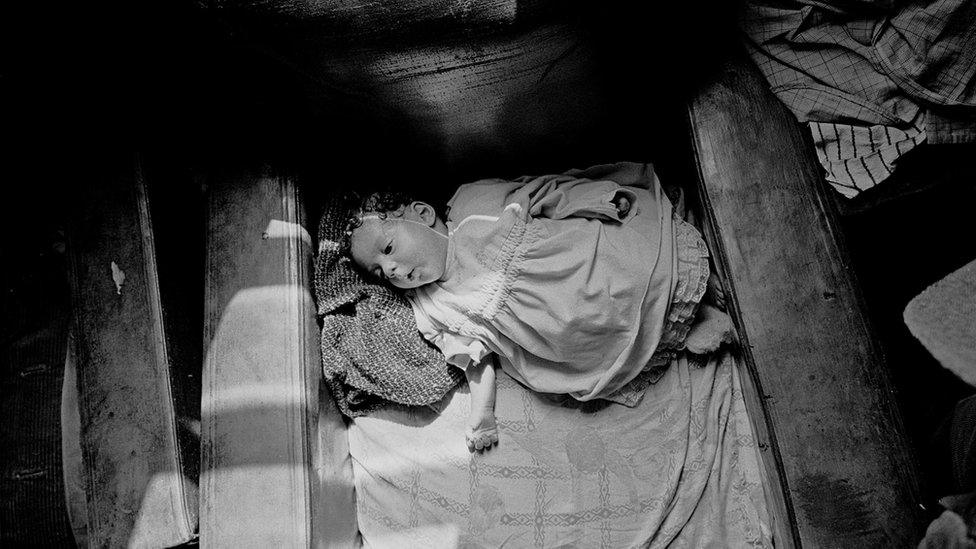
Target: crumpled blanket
(373, 356)
(873, 80)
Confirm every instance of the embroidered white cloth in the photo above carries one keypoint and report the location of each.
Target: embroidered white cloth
(679, 470)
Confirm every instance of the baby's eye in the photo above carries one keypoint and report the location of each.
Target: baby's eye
(388, 249)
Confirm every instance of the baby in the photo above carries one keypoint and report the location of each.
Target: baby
(573, 281)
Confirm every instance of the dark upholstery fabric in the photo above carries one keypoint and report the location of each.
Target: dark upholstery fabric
(32, 354)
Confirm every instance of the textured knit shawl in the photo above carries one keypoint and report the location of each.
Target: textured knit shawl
(372, 353)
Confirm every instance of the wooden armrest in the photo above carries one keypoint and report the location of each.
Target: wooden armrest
(847, 474)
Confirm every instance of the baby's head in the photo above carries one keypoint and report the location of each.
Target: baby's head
(398, 239)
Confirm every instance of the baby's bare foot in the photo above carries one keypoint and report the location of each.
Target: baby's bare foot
(711, 329)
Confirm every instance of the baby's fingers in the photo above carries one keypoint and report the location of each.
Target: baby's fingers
(490, 440)
(485, 442)
(480, 441)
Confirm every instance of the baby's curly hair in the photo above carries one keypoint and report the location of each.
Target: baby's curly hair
(381, 203)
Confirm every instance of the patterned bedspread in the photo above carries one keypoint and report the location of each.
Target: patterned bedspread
(679, 470)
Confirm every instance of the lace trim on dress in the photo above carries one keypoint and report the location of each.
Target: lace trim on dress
(693, 271)
(692, 281)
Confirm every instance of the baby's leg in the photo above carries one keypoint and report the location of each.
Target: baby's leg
(482, 431)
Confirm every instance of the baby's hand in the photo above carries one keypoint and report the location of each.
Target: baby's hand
(622, 202)
(483, 435)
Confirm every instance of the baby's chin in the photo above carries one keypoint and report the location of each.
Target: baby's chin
(409, 284)
(420, 279)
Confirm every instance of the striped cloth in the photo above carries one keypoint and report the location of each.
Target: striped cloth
(871, 81)
(857, 158)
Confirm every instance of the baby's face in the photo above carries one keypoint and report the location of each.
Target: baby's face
(408, 251)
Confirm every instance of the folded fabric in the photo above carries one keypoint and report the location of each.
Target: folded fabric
(872, 81)
(372, 354)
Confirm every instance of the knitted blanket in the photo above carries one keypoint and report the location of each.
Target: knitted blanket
(373, 356)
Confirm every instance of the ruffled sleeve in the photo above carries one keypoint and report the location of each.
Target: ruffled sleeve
(564, 196)
(459, 350)
(589, 193)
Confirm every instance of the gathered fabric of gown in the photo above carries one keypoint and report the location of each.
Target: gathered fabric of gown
(572, 297)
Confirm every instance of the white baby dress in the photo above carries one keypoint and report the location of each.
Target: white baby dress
(573, 298)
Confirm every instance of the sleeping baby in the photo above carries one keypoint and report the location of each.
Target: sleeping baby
(578, 283)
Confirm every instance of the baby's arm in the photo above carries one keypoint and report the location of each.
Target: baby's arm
(632, 174)
(564, 196)
(623, 203)
(477, 361)
(482, 431)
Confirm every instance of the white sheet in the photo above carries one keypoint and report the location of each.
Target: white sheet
(680, 469)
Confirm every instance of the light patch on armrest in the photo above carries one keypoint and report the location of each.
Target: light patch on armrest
(118, 276)
(286, 229)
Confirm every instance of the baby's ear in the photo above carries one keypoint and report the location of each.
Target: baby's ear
(424, 211)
